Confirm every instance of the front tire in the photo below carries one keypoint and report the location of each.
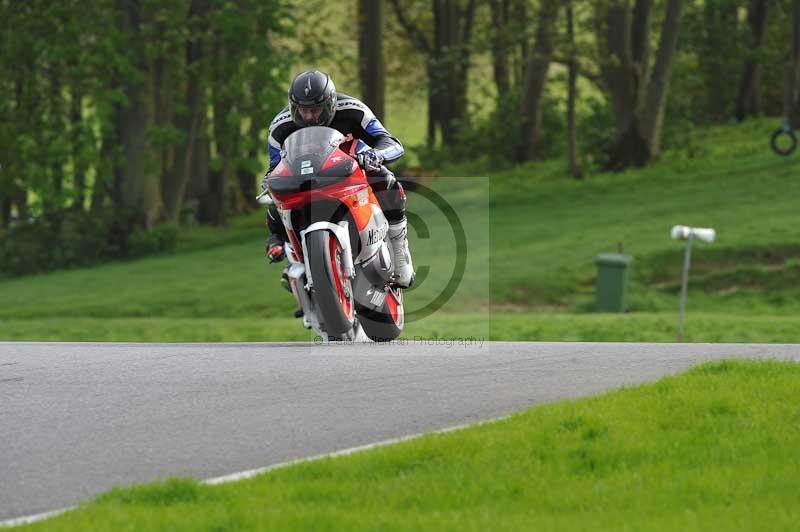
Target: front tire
(333, 292)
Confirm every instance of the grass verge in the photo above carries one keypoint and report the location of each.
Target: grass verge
(524, 326)
(715, 448)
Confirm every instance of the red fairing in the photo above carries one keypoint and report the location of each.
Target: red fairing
(338, 156)
(338, 191)
(281, 170)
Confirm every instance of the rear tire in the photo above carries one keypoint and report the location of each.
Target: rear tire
(384, 325)
(332, 290)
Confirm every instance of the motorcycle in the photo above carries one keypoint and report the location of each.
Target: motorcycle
(340, 267)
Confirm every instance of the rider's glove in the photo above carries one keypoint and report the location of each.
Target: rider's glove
(370, 160)
(275, 253)
(274, 248)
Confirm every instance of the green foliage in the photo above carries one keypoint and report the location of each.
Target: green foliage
(71, 238)
(68, 70)
(159, 239)
(596, 133)
(64, 68)
(711, 47)
(62, 240)
(493, 137)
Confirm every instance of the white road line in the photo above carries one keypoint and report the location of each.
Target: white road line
(28, 519)
(344, 452)
(242, 475)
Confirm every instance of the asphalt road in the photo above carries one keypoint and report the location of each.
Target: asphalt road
(78, 418)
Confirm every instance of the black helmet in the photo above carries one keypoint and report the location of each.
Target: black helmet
(312, 94)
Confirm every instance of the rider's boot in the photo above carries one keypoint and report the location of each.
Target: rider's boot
(403, 268)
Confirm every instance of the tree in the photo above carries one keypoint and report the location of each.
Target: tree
(371, 70)
(137, 190)
(535, 80)
(637, 92)
(793, 69)
(192, 118)
(719, 54)
(447, 59)
(748, 101)
(572, 95)
(501, 43)
(111, 101)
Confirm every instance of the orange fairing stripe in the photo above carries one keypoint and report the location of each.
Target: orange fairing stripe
(393, 305)
(361, 213)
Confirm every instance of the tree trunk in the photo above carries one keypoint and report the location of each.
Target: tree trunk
(535, 78)
(370, 52)
(790, 92)
(520, 16)
(500, 44)
(154, 210)
(653, 117)
(193, 122)
(19, 197)
(139, 188)
(78, 161)
(572, 77)
(197, 194)
(749, 101)
(247, 186)
(638, 97)
(432, 117)
(617, 69)
(130, 123)
(447, 63)
(52, 197)
(214, 203)
(107, 173)
(721, 27)
(630, 149)
(5, 212)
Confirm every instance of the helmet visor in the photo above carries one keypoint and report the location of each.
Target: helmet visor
(310, 114)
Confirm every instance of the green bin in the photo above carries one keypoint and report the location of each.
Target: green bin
(612, 282)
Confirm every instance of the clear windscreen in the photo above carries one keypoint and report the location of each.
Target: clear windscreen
(317, 141)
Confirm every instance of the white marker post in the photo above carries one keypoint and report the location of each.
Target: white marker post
(682, 232)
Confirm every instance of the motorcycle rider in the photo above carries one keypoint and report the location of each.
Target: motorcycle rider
(313, 101)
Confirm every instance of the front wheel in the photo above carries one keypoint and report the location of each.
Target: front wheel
(333, 292)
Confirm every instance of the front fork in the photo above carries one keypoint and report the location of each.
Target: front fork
(342, 234)
(299, 274)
